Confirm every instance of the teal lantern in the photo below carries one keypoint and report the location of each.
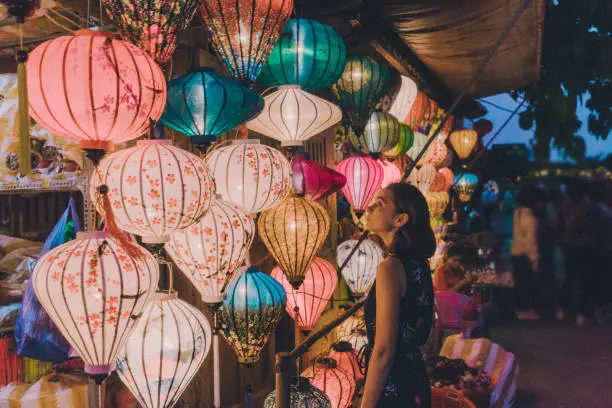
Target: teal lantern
(359, 89)
(309, 53)
(203, 105)
(404, 142)
(465, 185)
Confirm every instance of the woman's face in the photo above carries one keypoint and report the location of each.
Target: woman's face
(381, 212)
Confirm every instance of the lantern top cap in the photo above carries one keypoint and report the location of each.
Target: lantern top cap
(327, 362)
(201, 69)
(147, 142)
(245, 141)
(165, 296)
(93, 234)
(342, 347)
(86, 32)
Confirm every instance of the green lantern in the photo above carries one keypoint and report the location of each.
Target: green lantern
(359, 89)
(380, 134)
(309, 53)
(404, 142)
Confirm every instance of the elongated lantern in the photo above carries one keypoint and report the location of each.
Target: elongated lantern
(243, 32)
(404, 142)
(309, 53)
(251, 175)
(292, 116)
(391, 173)
(253, 308)
(155, 188)
(313, 180)
(301, 395)
(210, 251)
(364, 177)
(164, 351)
(380, 135)
(203, 105)
(405, 98)
(463, 141)
(94, 89)
(360, 271)
(359, 88)
(465, 185)
(347, 359)
(154, 26)
(336, 383)
(93, 288)
(293, 232)
(310, 299)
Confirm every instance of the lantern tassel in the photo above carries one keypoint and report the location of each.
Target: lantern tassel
(110, 224)
(25, 164)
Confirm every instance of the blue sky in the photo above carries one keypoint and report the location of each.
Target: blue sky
(514, 134)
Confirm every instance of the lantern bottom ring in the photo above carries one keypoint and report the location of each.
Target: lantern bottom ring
(98, 372)
(155, 239)
(96, 145)
(292, 143)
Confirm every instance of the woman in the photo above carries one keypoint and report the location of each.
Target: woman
(399, 307)
(451, 275)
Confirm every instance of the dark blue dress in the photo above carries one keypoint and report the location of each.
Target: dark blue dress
(407, 385)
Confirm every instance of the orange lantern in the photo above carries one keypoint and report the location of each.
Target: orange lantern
(334, 382)
(436, 153)
(346, 358)
(449, 177)
(437, 202)
(463, 141)
(424, 110)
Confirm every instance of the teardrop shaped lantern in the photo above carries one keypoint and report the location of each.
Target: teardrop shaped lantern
(292, 116)
(334, 382)
(310, 299)
(301, 395)
(423, 177)
(380, 135)
(243, 32)
(418, 144)
(94, 89)
(154, 188)
(358, 339)
(465, 185)
(293, 232)
(437, 202)
(254, 306)
(463, 141)
(210, 251)
(154, 26)
(360, 271)
(449, 178)
(347, 359)
(404, 99)
(404, 142)
(313, 180)
(359, 89)
(436, 153)
(164, 351)
(203, 105)
(251, 175)
(364, 177)
(391, 173)
(93, 288)
(309, 53)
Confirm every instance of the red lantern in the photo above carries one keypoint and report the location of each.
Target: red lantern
(94, 89)
(364, 176)
(483, 126)
(314, 180)
(334, 382)
(449, 176)
(391, 173)
(310, 299)
(347, 359)
(423, 111)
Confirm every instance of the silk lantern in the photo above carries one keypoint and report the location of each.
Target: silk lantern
(359, 88)
(251, 311)
(438, 184)
(391, 173)
(301, 395)
(94, 89)
(439, 226)
(154, 188)
(293, 232)
(422, 113)
(313, 180)
(243, 32)
(346, 358)
(364, 177)
(449, 177)
(334, 382)
(311, 297)
(418, 144)
(154, 26)
(360, 271)
(358, 339)
(436, 153)
(404, 99)
(292, 116)
(381, 134)
(465, 185)
(404, 142)
(210, 251)
(251, 175)
(203, 105)
(164, 351)
(353, 323)
(309, 53)
(463, 141)
(93, 289)
(423, 177)
(437, 202)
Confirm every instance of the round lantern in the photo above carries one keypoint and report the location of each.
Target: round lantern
(301, 395)
(380, 135)
(93, 289)
(423, 177)
(358, 339)
(350, 325)
(449, 177)
(346, 358)
(94, 89)
(360, 271)
(251, 311)
(418, 144)
(391, 173)
(210, 252)
(404, 142)
(154, 26)
(243, 32)
(463, 141)
(203, 105)
(436, 153)
(404, 99)
(359, 89)
(313, 180)
(437, 202)
(364, 177)
(154, 188)
(310, 299)
(292, 116)
(254, 176)
(164, 351)
(293, 232)
(336, 383)
(464, 186)
(309, 53)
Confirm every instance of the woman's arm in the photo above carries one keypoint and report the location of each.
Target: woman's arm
(390, 288)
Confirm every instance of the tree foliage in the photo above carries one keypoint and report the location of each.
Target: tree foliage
(576, 69)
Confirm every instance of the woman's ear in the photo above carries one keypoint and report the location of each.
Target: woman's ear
(400, 220)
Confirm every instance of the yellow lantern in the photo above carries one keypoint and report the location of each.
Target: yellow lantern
(437, 202)
(463, 141)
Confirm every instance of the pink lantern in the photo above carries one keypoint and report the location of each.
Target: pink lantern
(449, 177)
(93, 288)
(364, 176)
(94, 89)
(423, 177)
(438, 184)
(314, 180)
(310, 299)
(347, 359)
(334, 382)
(210, 252)
(448, 160)
(391, 173)
(436, 153)
(154, 188)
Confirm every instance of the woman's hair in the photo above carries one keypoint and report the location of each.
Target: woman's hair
(466, 250)
(416, 236)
